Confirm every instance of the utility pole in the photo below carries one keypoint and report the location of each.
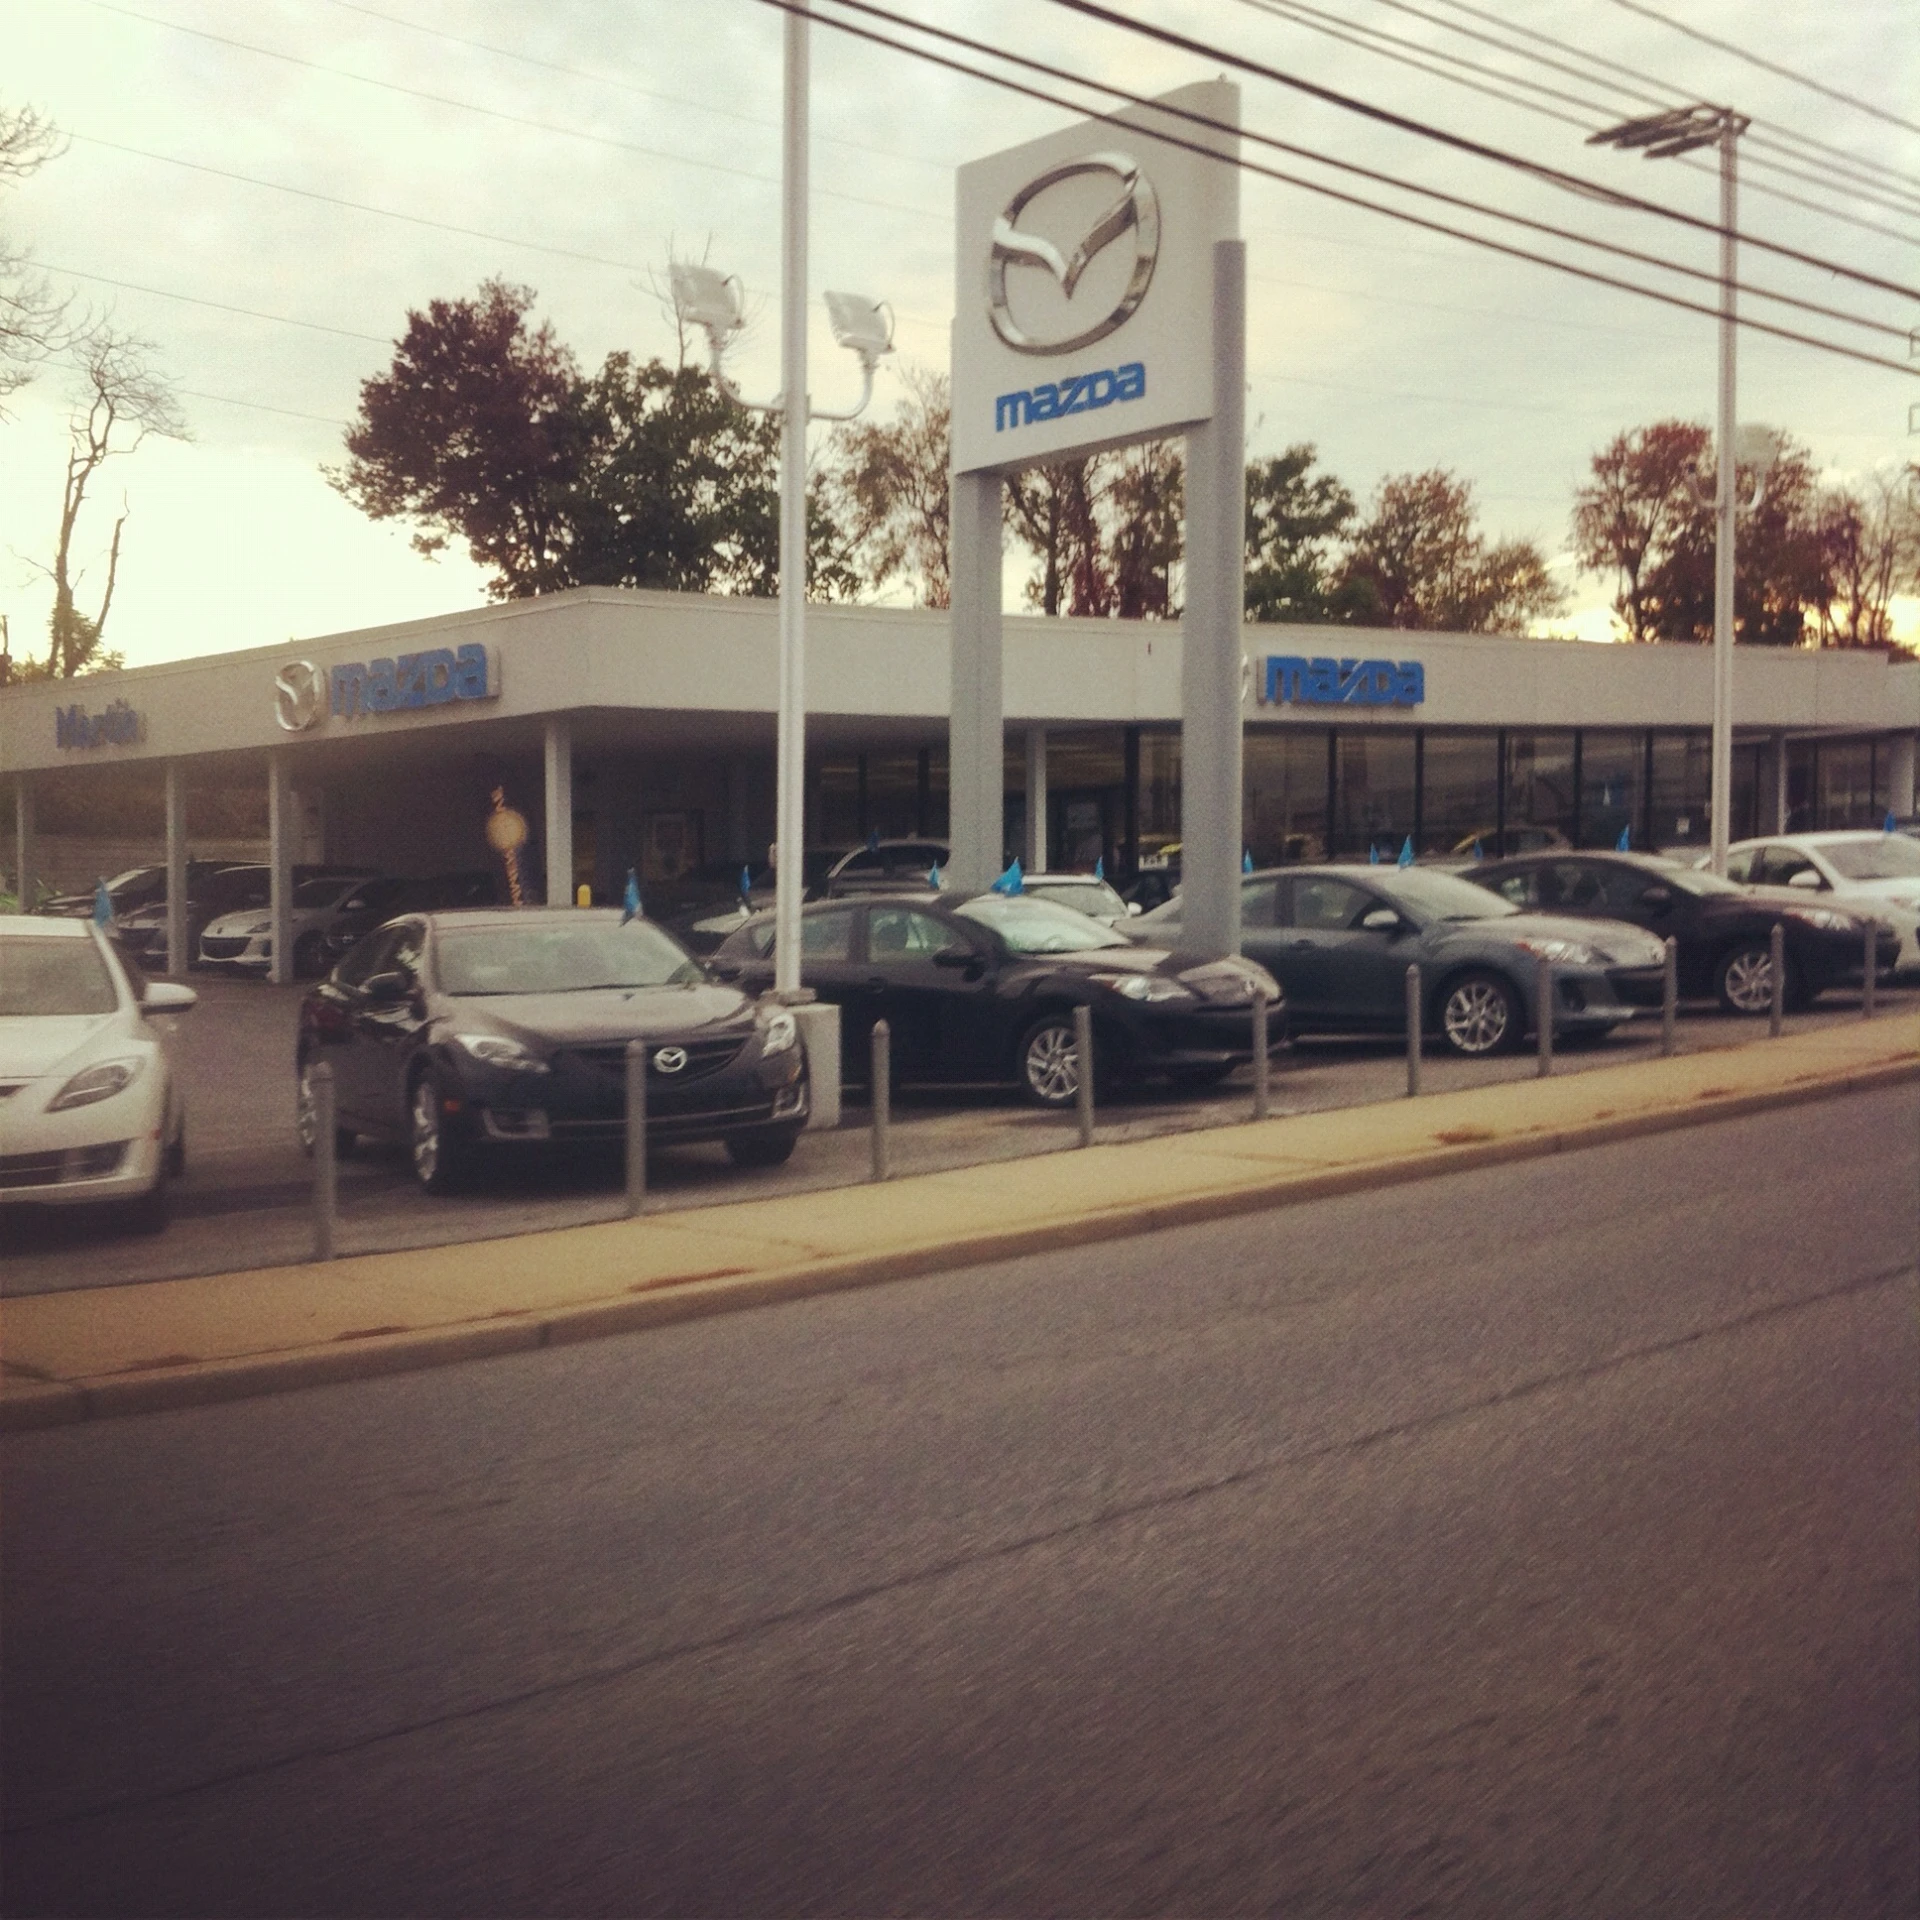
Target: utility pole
(1663, 136)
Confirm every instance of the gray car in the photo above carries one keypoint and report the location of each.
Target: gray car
(1339, 940)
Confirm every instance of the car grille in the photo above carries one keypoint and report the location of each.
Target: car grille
(223, 947)
(704, 1057)
(57, 1169)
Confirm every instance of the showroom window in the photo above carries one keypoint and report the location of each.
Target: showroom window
(1460, 792)
(1539, 810)
(1374, 791)
(1284, 778)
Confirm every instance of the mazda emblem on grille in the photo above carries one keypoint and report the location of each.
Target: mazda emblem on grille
(670, 1060)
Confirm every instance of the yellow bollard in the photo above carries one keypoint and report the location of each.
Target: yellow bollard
(583, 895)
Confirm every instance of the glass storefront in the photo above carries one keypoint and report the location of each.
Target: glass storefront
(1680, 794)
(1459, 794)
(1613, 771)
(1284, 793)
(1539, 809)
(1374, 795)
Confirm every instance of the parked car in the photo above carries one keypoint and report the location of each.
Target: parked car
(1722, 933)
(389, 895)
(885, 866)
(136, 887)
(1085, 893)
(1863, 871)
(244, 937)
(1339, 939)
(480, 1031)
(92, 1112)
(983, 989)
(211, 891)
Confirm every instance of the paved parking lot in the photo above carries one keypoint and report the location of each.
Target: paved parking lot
(244, 1200)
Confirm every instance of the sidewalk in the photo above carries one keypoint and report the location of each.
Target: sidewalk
(173, 1343)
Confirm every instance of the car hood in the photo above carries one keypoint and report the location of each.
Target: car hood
(1614, 941)
(601, 1014)
(1902, 893)
(33, 1044)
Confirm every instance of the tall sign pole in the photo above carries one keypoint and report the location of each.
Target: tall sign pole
(791, 749)
(1720, 786)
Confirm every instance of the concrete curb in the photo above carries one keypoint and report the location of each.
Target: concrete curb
(51, 1403)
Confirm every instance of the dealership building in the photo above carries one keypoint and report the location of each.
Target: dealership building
(636, 730)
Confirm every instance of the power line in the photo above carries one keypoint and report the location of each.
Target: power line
(257, 406)
(1785, 73)
(1213, 153)
(1538, 170)
(194, 299)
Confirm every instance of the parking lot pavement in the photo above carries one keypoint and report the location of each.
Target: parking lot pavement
(244, 1200)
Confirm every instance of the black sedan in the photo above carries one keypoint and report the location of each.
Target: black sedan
(984, 988)
(1723, 934)
(475, 1032)
(1340, 940)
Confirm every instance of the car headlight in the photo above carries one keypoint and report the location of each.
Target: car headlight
(258, 927)
(1142, 986)
(1568, 953)
(1821, 918)
(98, 1082)
(779, 1030)
(496, 1050)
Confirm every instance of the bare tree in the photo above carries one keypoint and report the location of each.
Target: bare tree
(123, 400)
(885, 486)
(1870, 540)
(34, 315)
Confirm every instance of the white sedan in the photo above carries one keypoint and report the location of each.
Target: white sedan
(245, 938)
(1857, 868)
(90, 1110)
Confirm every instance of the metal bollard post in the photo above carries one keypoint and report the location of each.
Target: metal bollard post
(882, 1084)
(636, 1128)
(1083, 1071)
(326, 1167)
(1778, 980)
(1669, 994)
(1416, 1039)
(1543, 1017)
(1873, 962)
(1259, 1055)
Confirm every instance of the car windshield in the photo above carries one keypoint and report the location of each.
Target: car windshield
(563, 957)
(246, 888)
(40, 975)
(1084, 896)
(319, 893)
(1891, 857)
(1441, 896)
(1028, 925)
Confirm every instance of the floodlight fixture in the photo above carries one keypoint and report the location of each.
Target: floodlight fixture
(861, 325)
(706, 298)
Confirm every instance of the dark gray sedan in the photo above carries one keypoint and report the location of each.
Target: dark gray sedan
(1340, 939)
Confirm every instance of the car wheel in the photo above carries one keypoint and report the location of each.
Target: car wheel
(1743, 980)
(305, 1120)
(1048, 1062)
(440, 1159)
(767, 1147)
(309, 956)
(1480, 1014)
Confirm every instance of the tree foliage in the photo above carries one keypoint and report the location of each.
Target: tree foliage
(1295, 521)
(886, 487)
(1104, 531)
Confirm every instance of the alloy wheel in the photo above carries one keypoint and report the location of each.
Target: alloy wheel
(1749, 981)
(1477, 1016)
(426, 1131)
(1052, 1065)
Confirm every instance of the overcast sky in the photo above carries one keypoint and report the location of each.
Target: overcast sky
(215, 146)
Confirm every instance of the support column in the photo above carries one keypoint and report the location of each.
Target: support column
(559, 820)
(177, 954)
(1900, 775)
(1213, 645)
(1035, 852)
(975, 745)
(1773, 786)
(283, 826)
(23, 848)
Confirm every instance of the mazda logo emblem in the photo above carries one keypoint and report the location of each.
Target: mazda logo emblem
(670, 1060)
(297, 688)
(1135, 210)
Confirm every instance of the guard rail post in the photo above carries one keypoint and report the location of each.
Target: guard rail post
(882, 1085)
(326, 1165)
(1867, 983)
(1259, 1054)
(636, 1128)
(1543, 1015)
(1669, 992)
(1416, 1039)
(1777, 979)
(1083, 1071)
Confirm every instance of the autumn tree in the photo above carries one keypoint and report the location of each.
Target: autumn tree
(1295, 520)
(1105, 532)
(1419, 560)
(1870, 543)
(1633, 515)
(886, 486)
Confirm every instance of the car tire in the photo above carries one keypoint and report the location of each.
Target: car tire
(309, 957)
(1480, 1014)
(442, 1162)
(344, 1138)
(1743, 979)
(1044, 1061)
(764, 1147)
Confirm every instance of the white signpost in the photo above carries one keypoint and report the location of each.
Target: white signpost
(1102, 301)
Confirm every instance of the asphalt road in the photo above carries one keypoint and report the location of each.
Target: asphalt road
(1533, 1541)
(246, 1198)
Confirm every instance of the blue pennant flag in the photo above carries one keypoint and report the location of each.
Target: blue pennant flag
(1625, 843)
(746, 880)
(1891, 824)
(1010, 881)
(102, 905)
(1100, 865)
(936, 879)
(1478, 853)
(1246, 859)
(1373, 856)
(631, 899)
(1406, 852)
(873, 841)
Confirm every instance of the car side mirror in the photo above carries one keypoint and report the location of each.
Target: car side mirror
(955, 957)
(1135, 908)
(1381, 920)
(387, 988)
(1807, 880)
(1657, 896)
(166, 996)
